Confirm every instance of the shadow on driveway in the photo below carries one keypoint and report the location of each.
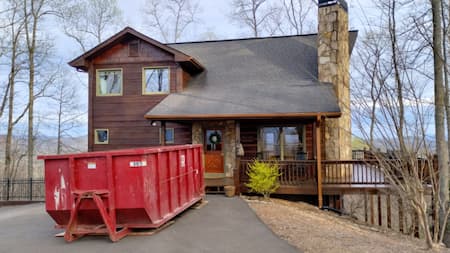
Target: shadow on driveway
(223, 225)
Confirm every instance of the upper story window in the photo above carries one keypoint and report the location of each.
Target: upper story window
(109, 82)
(156, 80)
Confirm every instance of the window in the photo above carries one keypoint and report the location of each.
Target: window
(155, 80)
(109, 82)
(101, 136)
(170, 135)
(283, 143)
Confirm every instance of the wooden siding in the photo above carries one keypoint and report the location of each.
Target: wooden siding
(124, 115)
(119, 54)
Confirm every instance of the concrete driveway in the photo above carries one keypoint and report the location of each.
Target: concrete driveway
(223, 225)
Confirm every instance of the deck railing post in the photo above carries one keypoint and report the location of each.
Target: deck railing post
(319, 162)
(31, 188)
(236, 174)
(8, 182)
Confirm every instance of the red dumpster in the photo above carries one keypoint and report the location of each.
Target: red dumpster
(115, 191)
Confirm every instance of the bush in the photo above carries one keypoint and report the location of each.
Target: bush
(263, 177)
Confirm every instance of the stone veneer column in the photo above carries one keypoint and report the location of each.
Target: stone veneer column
(229, 147)
(197, 133)
(333, 66)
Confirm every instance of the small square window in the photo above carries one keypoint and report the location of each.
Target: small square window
(101, 136)
(155, 80)
(170, 135)
(109, 82)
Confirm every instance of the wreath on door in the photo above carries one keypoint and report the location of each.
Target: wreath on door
(215, 138)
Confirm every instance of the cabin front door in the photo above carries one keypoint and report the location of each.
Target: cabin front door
(213, 151)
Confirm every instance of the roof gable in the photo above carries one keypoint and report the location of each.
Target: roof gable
(187, 62)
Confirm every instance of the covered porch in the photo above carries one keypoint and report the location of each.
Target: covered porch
(228, 142)
(298, 147)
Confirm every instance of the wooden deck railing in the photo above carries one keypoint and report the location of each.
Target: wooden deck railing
(292, 172)
(351, 172)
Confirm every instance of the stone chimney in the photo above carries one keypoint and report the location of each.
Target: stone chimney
(334, 61)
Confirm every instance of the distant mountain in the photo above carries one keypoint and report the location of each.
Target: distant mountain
(46, 144)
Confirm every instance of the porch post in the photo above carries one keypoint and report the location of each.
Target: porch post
(319, 162)
(237, 167)
(163, 133)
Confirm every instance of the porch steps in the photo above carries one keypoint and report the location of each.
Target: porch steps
(214, 190)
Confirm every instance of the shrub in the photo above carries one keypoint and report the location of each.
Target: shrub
(263, 177)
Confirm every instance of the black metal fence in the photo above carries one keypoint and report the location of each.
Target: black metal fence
(31, 189)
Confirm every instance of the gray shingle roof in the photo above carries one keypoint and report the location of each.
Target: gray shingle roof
(252, 77)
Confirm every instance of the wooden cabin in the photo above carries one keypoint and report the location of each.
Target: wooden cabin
(284, 98)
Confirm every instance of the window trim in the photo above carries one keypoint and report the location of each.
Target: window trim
(143, 80)
(97, 82)
(96, 141)
(173, 134)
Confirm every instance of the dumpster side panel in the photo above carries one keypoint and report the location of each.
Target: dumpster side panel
(128, 177)
(58, 199)
(152, 189)
(174, 182)
(163, 186)
(90, 173)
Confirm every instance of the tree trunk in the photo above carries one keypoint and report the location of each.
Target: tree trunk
(59, 144)
(9, 132)
(31, 18)
(439, 93)
(401, 110)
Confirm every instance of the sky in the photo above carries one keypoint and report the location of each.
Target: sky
(214, 17)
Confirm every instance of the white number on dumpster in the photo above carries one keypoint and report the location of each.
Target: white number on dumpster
(182, 161)
(134, 164)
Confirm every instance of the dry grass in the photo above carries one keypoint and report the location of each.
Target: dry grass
(312, 230)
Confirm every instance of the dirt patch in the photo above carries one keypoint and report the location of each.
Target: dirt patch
(312, 230)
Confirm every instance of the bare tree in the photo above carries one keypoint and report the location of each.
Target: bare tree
(18, 157)
(68, 111)
(170, 19)
(369, 81)
(275, 22)
(394, 110)
(298, 13)
(14, 29)
(252, 13)
(34, 12)
(439, 111)
(88, 22)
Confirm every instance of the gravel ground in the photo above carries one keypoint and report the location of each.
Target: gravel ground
(312, 230)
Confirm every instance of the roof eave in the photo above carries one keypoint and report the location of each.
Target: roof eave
(189, 117)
